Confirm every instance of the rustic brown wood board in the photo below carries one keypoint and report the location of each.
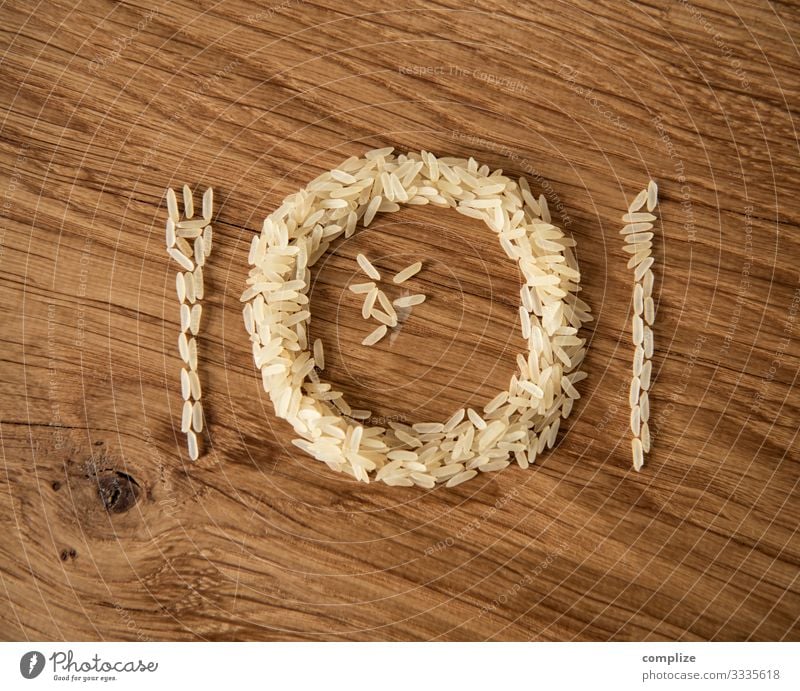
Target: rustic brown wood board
(110, 532)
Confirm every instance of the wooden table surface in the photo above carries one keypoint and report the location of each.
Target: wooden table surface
(111, 532)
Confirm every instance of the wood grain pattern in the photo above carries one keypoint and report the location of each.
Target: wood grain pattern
(105, 104)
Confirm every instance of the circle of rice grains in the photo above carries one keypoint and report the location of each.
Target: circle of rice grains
(515, 425)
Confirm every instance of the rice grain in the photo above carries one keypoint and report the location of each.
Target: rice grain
(194, 318)
(375, 336)
(643, 268)
(368, 268)
(638, 454)
(409, 301)
(638, 202)
(181, 258)
(189, 287)
(372, 209)
(518, 423)
(319, 354)
(407, 273)
(369, 303)
(652, 195)
(383, 318)
(172, 206)
(194, 384)
(186, 417)
(188, 202)
(186, 318)
(645, 438)
(183, 347)
(461, 478)
(197, 416)
(638, 242)
(186, 390)
(191, 444)
(649, 310)
(359, 288)
(208, 203)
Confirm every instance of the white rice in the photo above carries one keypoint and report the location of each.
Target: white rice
(186, 417)
(183, 347)
(188, 202)
(645, 439)
(375, 336)
(190, 288)
(185, 385)
(199, 288)
(194, 318)
(194, 385)
(476, 419)
(386, 304)
(635, 420)
(362, 287)
(647, 342)
(180, 287)
(186, 318)
(172, 206)
(639, 257)
(188, 281)
(644, 406)
(407, 273)
(372, 209)
(181, 258)
(643, 268)
(383, 318)
(454, 419)
(409, 301)
(638, 201)
(638, 330)
(652, 195)
(208, 203)
(197, 416)
(367, 267)
(192, 445)
(190, 229)
(638, 218)
(638, 298)
(638, 453)
(644, 377)
(518, 423)
(647, 284)
(428, 427)
(461, 477)
(193, 353)
(638, 361)
(638, 238)
(369, 303)
(199, 251)
(635, 391)
(649, 310)
(319, 354)
(182, 245)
